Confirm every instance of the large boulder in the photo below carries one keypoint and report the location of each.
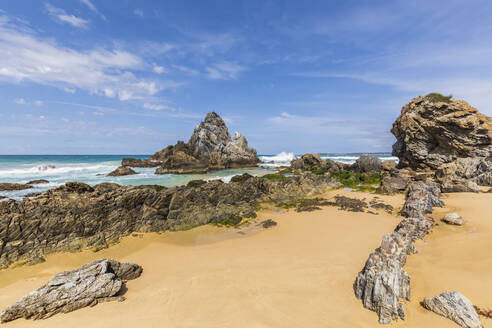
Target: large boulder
(96, 282)
(448, 137)
(209, 148)
(456, 307)
(368, 163)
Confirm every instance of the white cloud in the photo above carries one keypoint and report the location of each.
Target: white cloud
(224, 71)
(61, 16)
(109, 72)
(91, 6)
(157, 107)
(186, 70)
(159, 69)
(69, 90)
(138, 12)
(22, 101)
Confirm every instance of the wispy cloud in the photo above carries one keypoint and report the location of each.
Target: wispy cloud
(157, 107)
(22, 101)
(108, 72)
(59, 15)
(159, 69)
(138, 12)
(91, 6)
(224, 71)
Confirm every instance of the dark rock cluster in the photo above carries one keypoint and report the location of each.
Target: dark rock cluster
(76, 215)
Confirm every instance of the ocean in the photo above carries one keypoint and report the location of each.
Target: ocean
(93, 169)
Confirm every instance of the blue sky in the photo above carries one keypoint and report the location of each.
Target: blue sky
(130, 77)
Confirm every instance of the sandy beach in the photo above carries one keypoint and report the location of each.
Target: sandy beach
(297, 274)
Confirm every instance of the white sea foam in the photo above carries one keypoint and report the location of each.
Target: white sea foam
(281, 159)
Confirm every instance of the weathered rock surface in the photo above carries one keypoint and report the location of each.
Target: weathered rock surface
(68, 291)
(4, 186)
(77, 215)
(368, 163)
(456, 307)
(452, 139)
(122, 170)
(454, 219)
(314, 161)
(209, 148)
(392, 184)
(40, 181)
(382, 281)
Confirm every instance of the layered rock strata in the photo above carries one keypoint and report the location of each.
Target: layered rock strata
(99, 281)
(448, 138)
(77, 215)
(383, 282)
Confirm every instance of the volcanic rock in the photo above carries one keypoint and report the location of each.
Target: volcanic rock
(454, 306)
(122, 170)
(98, 281)
(448, 137)
(4, 186)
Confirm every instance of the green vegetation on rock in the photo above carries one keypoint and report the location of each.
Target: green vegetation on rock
(274, 176)
(359, 181)
(437, 97)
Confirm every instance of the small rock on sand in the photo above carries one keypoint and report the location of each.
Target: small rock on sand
(454, 219)
(456, 307)
(268, 223)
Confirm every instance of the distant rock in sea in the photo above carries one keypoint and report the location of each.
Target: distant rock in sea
(98, 281)
(447, 138)
(13, 186)
(209, 148)
(39, 181)
(122, 170)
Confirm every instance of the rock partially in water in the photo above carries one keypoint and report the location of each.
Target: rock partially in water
(4, 186)
(98, 281)
(121, 171)
(40, 181)
(76, 215)
(134, 162)
(456, 307)
(454, 219)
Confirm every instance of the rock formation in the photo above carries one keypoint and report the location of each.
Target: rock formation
(450, 138)
(453, 219)
(122, 170)
(39, 181)
(368, 163)
(76, 215)
(98, 281)
(313, 161)
(382, 281)
(4, 186)
(456, 307)
(209, 148)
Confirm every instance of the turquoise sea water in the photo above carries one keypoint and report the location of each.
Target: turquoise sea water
(93, 169)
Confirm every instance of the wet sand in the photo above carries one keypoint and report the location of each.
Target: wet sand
(297, 274)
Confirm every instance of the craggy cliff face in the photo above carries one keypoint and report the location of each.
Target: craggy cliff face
(430, 133)
(208, 135)
(450, 138)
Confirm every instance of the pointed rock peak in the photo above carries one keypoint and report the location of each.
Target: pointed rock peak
(212, 117)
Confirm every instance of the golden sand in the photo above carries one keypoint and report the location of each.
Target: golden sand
(297, 274)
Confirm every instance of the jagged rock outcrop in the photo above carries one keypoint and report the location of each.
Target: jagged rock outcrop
(367, 163)
(383, 282)
(449, 138)
(76, 215)
(4, 186)
(454, 306)
(314, 161)
(122, 170)
(98, 281)
(209, 148)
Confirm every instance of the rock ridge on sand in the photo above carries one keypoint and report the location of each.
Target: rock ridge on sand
(98, 281)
